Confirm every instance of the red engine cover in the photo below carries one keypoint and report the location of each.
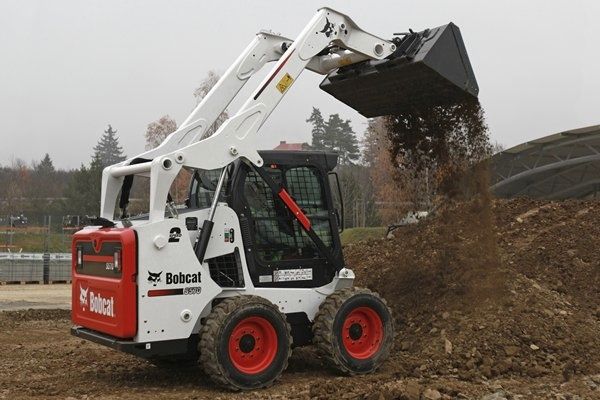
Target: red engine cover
(104, 290)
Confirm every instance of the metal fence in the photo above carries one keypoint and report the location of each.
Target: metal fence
(35, 267)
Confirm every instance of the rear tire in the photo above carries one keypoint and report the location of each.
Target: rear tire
(354, 331)
(245, 343)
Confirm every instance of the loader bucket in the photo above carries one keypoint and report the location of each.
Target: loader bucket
(428, 68)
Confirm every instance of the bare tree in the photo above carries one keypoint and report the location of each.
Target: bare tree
(157, 131)
(205, 86)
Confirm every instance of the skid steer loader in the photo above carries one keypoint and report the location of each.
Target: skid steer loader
(253, 264)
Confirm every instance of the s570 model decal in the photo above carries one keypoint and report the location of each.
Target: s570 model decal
(174, 292)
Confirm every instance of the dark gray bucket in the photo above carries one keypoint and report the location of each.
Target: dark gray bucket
(428, 68)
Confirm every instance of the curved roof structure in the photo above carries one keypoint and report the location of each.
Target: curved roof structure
(560, 166)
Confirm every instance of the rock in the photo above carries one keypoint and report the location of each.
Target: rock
(520, 220)
(445, 315)
(511, 350)
(447, 346)
(486, 371)
(375, 396)
(432, 394)
(413, 391)
(405, 345)
(499, 395)
(533, 347)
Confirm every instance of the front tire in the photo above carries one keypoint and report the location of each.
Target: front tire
(354, 331)
(245, 343)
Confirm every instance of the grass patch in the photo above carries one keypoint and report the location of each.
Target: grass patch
(353, 235)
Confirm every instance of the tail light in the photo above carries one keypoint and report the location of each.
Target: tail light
(117, 260)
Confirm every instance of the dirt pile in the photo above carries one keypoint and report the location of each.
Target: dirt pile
(530, 310)
(526, 328)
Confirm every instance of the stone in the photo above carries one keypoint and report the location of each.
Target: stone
(431, 394)
(534, 347)
(511, 350)
(486, 371)
(413, 391)
(499, 395)
(447, 346)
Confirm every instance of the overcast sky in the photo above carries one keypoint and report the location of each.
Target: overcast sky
(68, 68)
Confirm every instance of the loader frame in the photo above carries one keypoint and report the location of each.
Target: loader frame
(330, 40)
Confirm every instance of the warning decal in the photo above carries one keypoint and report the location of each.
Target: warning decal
(287, 275)
(285, 82)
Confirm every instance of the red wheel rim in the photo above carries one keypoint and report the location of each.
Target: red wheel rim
(362, 333)
(253, 345)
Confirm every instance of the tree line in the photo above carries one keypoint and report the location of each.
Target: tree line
(39, 189)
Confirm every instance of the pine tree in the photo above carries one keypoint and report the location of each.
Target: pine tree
(108, 150)
(45, 167)
(83, 190)
(336, 135)
(340, 137)
(318, 130)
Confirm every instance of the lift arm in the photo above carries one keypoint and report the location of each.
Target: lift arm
(330, 40)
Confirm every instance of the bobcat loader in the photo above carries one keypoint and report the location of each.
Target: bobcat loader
(253, 265)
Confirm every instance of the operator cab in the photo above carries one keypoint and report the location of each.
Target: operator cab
(271, 237)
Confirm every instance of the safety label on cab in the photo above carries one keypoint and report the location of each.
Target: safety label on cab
(287, 275)
(285, 82)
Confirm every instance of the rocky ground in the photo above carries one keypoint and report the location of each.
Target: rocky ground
(492, 301)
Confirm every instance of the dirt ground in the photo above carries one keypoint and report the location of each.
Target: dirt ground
(503, 308)
(22, 297)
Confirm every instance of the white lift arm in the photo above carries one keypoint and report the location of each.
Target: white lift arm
(236, 138)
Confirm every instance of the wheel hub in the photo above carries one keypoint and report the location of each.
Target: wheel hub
(355, 331)
(247, 343)
(362, 333)
(253, 345)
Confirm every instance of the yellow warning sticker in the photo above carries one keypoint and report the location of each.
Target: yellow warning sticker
(285, 82)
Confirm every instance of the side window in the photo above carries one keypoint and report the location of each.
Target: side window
(204, 186)
(278, 235)
(305, 184)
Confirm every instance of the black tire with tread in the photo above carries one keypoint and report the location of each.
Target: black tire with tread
(212, 359)
(328, 343)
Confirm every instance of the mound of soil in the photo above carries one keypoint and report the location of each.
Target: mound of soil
(492, 290)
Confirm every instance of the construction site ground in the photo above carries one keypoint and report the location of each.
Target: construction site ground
(491, 302)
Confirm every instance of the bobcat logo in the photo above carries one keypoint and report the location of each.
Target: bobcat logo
(328, 28)
(154, 278)
(83, 297)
